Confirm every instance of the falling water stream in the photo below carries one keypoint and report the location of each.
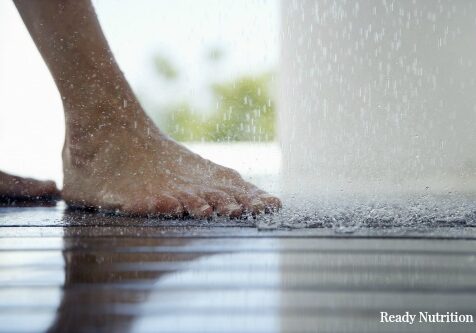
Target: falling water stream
(378, 112)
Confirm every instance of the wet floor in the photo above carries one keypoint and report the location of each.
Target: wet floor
(70, 271)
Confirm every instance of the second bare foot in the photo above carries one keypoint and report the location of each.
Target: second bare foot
(14, 188)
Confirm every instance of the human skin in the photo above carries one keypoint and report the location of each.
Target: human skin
(114, 157)
(18, 188)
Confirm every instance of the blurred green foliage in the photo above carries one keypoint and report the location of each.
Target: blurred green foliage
(245, 110)
(215, 54)
(165, 68)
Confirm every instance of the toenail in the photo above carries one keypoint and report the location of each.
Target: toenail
(204, 208)
(232, 207)
(178, 210)
(256, 202)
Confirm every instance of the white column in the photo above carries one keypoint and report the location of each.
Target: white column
(378, 94)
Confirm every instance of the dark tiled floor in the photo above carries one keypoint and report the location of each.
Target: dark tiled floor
(76, 272)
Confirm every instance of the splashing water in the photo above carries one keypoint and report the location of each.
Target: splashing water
(378, 111)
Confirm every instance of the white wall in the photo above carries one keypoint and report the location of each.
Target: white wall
(379, 94)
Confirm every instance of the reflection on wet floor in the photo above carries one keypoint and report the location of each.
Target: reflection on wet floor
(59, 274)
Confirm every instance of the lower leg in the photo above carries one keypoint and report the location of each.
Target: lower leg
(114, 156)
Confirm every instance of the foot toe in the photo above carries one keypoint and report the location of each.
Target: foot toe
(224, 204)
(50, 189)
(270, 202)
(162, 204)
(254, 200)
(169, 206)
(257, 206)
(245, 200)
(249, 201)
(140, 206)
(194, 205)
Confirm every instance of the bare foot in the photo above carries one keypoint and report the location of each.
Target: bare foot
(127, 165)
(26, 189)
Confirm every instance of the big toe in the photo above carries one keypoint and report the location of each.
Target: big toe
(169, 206)
(161, 204)
(49, 188)
(31, 188)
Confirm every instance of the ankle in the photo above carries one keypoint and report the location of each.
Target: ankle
(99, 108)
(105, 127)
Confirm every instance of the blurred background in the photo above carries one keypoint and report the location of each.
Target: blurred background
(205, 71)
